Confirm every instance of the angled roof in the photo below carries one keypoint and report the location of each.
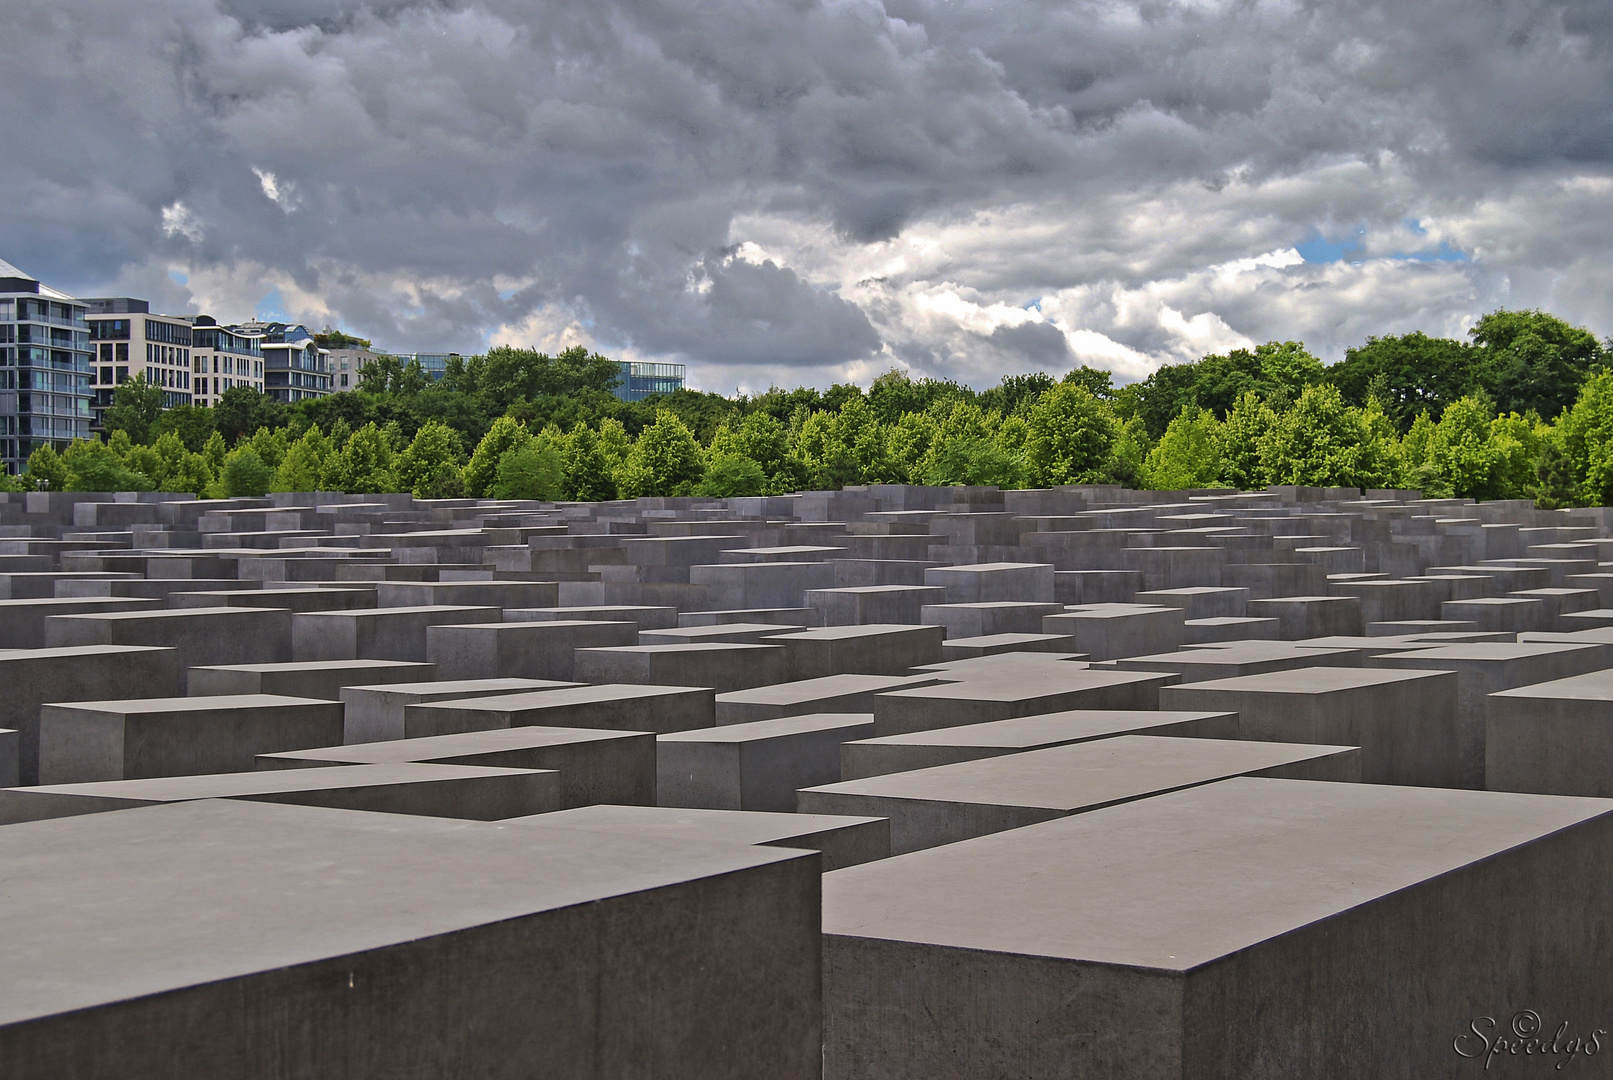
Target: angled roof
(9, 271)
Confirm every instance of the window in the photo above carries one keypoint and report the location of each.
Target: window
(106, 375)
(123, 354)
(123, 375)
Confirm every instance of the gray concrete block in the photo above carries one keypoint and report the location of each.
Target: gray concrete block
(203, 637)
(391, 633)
(520, 650)
(250, 939)
(988, 619)
(33, 677)
(830, 694)
(858, 650)
(987, 582)
(10, 758)
(1248, 928)
(1096, 586)
(1200, 602)
(1301, 617)
(968, 742)
(1205, 631)
(451, 791)
(996, 644)
(1175, 567)
(22, 622)
(1405, 722)
(761, 585)
(613, 706)
(1002, 697)
(90, 741)
(842, 841)
(374, 712)
(949, 803)
(797, 616)
(499, 594)
(1484, 668)
(720, 666)
(647, 618)
(322, 679)
(594, 766)
(874, 604)
(754, 766)
(1553, 738)
(1511, 614)
(297, 600)
(736, 633)
(1108, 631)
(1231, 659)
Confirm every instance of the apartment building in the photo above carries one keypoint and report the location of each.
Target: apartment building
(222, 359)
(128, 342)
(294, 366)
(44, 368)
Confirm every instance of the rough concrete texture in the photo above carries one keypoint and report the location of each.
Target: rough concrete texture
(949, 803)
(988, 632)
(1229, 930)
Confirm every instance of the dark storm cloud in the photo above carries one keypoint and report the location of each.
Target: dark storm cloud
(429, 173)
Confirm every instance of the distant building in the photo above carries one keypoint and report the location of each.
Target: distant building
(640, 381)
(222, 359)
(295, 368)
(44, 368)
(127, 342)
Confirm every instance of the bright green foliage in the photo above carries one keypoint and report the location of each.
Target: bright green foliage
(95, 466)
(214, 450)
(974, 462)
(1323, 442)
(588, 470)
(136, 405)
(304, 462)
(1240, 438)
(1071, 438)
(1409, 374)
(482, 471)
(423, 466)
(9, 483)
(46, 472)
(1188, 455)
(665, 460)
(191, 423)
(733, 475)
(242, 410)
(245, 473)
(1587, 440)
(364, 464)
(270, 445)
(532, 469)
(1534, 362)
(1470, 453)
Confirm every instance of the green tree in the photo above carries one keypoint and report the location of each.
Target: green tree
(1323, 442)
(1240, 438)
(246, 473)
(665, 460)
(1534, 362)
(1188, 455)
(46, 472)
(1071, 438)
(241, 410)
(94, 466)
(363, 464)
(974, 462)
(588, 470)
(1586, 439)
(1409, 374)
(481, 472)
(434, 450)
(733, 475)
(532, 469)
(304, 462)
(192, 424)
(136, 405)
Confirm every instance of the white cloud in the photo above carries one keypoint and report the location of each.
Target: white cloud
(177, 220)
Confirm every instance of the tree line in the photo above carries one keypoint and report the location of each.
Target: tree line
(1523, 409)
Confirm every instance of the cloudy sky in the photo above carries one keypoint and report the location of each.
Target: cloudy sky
(811, 191)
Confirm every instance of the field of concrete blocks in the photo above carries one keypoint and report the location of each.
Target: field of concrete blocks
(878, 783)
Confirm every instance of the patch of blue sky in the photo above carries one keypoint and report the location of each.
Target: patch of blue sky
(272, 307)
(178, 277)
(1325, 249)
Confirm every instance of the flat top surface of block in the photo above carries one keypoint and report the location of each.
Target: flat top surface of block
(1003, 663)
(230, 785)
(70, 652)
(215, 703)
(761, 730)
(166, 613)
(1179, 880)
(1243, 652)
(690, 648)
(725, 826)
(824, 687)
(1084, 775)
(1017, 685)
(1594, 686)
(317, 665)
(987, 568)
(385, 612)
(1029, 732)
(203, 891)
(1311, 680)
(851, 633)
(461, 686)
(1488, 651)
(463, 744)
(569, 695)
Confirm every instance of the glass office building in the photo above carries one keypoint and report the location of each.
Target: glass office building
(640, 381)
(44, 368)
